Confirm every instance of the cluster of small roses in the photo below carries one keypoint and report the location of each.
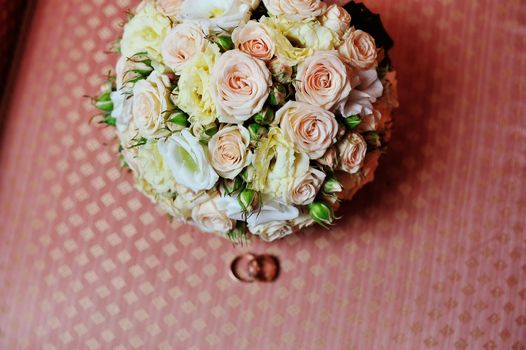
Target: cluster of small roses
(243, 116)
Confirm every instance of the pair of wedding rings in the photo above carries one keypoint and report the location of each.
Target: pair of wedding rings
(249, 268)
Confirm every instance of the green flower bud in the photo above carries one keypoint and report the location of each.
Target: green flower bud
(248, 174)
(373, 139)
(353, 122)
(248, 200)
(278, 95)
(257, 131)
(179, 118)
(109, 120)
(332, 186)
(239, 235)
(321, 213)
(224, 42)
(232, 186)
(265, 117)
(104, 103)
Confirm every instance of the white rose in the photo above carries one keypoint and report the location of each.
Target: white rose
(367, 89)
(337, 19)
(145, 32)
(272, 231)
(182, 44)
(240, 86)
(229, 151)
(211, 217)
(295, 9)
(188, 161)
(304, 189)
(217, 15)
(352, 151)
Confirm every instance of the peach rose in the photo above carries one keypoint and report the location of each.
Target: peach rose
(312, 129)
(240, 86)
(329, 159)
(169, 7)
(183, 42)
(229, 151)
(323, 80)
(337, 19)
(295, 9)
(359, 49)
(304, 190)
(254, 39)
(352, 152)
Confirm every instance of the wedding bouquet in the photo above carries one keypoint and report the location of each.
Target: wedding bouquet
(251, 118)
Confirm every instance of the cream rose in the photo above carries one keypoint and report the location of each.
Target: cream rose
(305, 189)
(229, 151)
(182, 44)
(145, 32)
(211, 217)
(217, 15)
(151, 98)
(359, 49)
(240, 86)
(254, 38)
(312, 129)
(271, 210)
(337, 19)
(323, 80)
(272, 231)
(188, 161)
(169, 8)
(295, 9)
(352, 152)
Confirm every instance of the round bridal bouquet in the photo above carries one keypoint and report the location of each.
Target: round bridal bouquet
(248, 117)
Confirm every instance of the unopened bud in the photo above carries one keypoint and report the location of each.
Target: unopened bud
(104, 103)
(321, 213)
(332, 186)
(224, 42)
(373, 139)
(353, 122)
(248, 200)
(265, 117)
(280, 71)
(256, 131)
(248, 174)
(278, 95)
(179, 118)
(232, 186)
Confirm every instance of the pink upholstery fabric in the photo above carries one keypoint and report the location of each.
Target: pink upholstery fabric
(432, 255)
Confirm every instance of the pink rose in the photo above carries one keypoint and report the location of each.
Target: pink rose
(254, 38)
(229, 151)
(312, 129)
(182, 44)
(359, 49)
(295, 9)
(240, 86)
(169, 7)
(304, 189)
(323, 80)
(337, 19)
(352, 152)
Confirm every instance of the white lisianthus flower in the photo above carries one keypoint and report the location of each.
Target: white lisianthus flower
(151, 100)
(145, 32)
(195, 96)
(217, 15)
(154, 169)
(188, 161)
(277, 164)
(296, 10)
(271, 210)
(211, 216)
(182, 44)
